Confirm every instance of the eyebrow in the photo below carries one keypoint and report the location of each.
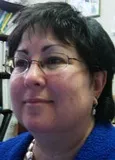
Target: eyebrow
(22, 50)
(43, 49)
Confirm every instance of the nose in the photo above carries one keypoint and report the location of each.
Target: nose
(34, 76)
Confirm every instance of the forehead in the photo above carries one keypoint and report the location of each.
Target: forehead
(38, 32)
(36, 39)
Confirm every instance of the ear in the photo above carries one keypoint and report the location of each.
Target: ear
(99, 81)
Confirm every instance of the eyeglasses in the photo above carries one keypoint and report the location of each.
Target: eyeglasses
(49, 64)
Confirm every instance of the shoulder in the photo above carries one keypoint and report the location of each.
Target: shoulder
(16, 140)
(100, 144)
(105, 130)
(17, 145)
(104, 135)
(103, 140)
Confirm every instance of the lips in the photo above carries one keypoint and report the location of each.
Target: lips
(37, 100)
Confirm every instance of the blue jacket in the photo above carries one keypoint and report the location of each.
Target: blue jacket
(100, 145)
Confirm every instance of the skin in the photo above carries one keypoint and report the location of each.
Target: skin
(71, 92)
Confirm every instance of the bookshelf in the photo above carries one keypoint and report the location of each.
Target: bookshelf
(14, 8)
(4, 77)
(3, 37)
(10, 7)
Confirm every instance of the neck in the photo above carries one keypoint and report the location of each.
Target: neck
(60, 146)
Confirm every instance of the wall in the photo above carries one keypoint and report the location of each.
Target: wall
(41, 1)
(107, 15)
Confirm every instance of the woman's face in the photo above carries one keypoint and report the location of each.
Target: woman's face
(51, 102)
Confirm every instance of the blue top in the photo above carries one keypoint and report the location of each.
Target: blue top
(100, 145)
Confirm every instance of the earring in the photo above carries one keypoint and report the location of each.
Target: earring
(94, 107)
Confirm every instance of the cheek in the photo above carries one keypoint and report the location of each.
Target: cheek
(73, 97)
(71, 85)
(72, 93)
(16, 92)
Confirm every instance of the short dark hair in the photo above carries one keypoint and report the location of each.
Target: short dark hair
(86, 34)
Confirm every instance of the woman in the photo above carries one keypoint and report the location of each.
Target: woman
(61, 67)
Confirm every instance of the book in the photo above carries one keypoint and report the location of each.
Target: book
(1, 118)
(1, 106)
(4, 54)
(11, 24)
(5, 21)
(6, 101)
(1, 12)
(1, 55)
(2, 17)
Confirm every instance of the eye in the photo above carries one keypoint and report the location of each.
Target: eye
(20, 63)
(55, 60)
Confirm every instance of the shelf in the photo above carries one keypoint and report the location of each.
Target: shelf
(10, 7)
(4, 75)
(3, 37)
(2, 111)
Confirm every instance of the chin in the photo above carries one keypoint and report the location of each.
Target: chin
(39, 126)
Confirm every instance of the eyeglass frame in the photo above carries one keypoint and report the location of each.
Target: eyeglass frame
(29, 62)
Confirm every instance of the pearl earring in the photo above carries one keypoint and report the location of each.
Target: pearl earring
(94, 107)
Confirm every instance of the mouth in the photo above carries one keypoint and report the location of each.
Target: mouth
(36, 101)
